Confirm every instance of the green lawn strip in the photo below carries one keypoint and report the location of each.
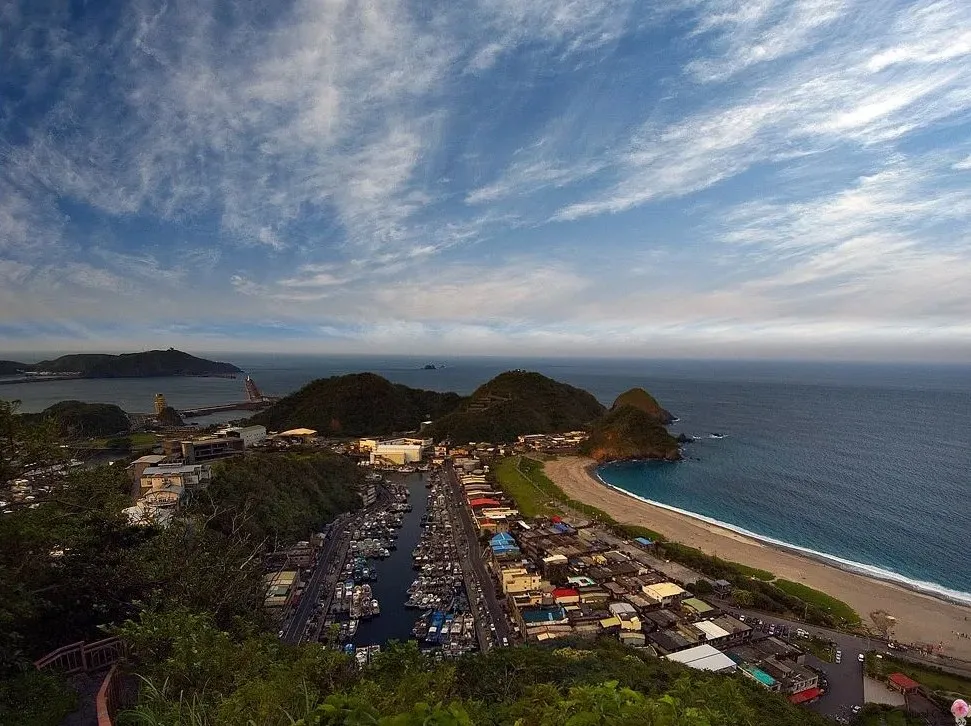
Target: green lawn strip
(822, 649)
(934, 679)
(529, 499)
(837, 608)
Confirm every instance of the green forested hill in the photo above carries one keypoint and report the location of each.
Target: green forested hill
(285, 496)
(516, 403)
(76, 419)
(630, 433)
(147, 364)
(360, 404)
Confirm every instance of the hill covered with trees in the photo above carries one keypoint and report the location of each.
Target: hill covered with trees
(359, 404)
(77, 420)
(516, 403)
(629, 432)
(639, 398)
(147, 364)
(284, 496)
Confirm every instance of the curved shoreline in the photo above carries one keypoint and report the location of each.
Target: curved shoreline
(932, 589)
(921, 617)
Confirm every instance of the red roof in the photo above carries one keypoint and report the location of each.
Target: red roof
(808, 695)
(483, 502)
(555, 519)
(565, 592)
(903, 682)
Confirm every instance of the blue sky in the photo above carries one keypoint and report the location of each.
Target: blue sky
(686, 178)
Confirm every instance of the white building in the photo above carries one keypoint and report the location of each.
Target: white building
(249, 434)
(398, 451)
(187, 476)
(704, 658)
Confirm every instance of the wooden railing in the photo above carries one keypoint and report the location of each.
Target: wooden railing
(111, 697)
(82, 657)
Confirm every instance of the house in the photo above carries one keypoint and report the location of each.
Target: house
(695, 607)
(516, 580)
(664, 593)
(188, 476)
(566, 596)
(722, 588)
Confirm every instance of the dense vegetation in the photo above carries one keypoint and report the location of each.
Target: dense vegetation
(516, 403)
(630, 433)
(197, 673)
(72, 565)
(639, 398)
(284, 497)
(79, 420)
(361, 404)
(146, 364)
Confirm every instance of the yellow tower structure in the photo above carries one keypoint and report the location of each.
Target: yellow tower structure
(159, 403)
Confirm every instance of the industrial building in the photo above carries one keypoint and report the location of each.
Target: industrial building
(396, 451)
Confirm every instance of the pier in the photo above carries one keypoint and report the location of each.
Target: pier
(235, 406)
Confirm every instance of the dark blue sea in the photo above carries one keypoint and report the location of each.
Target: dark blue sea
(869, 465)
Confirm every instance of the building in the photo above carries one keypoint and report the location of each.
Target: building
(704, 658)
(722, 588)
(515, 580)
(903, 684)
(210, 448)
(187, 476)
(694, 606)
(566, 596)
(664, 593)
(250, 435)
(281, 589)
(397, 451)
(160, 404)
(139, 465)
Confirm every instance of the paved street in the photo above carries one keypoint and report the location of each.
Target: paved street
(456, 498)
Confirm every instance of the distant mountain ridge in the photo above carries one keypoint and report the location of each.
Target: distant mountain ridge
(517, 403)
(147, 364)
(359, 404)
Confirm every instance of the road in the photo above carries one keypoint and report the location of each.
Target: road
(844, 679)
(294, 628)
(472, 557)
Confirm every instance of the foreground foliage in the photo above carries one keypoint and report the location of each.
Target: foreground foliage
(198, 674)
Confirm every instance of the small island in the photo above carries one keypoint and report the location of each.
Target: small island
(632, 429)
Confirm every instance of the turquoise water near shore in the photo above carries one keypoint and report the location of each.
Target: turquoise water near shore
(869, 465)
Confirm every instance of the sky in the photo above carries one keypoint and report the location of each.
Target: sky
(702, 178)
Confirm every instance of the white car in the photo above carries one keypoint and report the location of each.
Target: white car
(861, 657)
(839, 654)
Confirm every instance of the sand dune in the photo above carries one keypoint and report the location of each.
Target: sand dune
(920, 618)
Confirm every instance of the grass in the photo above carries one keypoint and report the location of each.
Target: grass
(822, 649)
(837, 608)
(883, 716)
(529, 498)
(934, 679)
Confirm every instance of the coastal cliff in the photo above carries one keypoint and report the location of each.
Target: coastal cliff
(147, 364)
(628, 432)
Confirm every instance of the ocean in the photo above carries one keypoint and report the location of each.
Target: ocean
(866, 465)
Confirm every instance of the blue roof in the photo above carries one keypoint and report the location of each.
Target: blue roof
(502, 538)
(561, 528)
(644, 541)
(761, 676)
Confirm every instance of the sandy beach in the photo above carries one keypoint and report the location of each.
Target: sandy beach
(920, 618)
